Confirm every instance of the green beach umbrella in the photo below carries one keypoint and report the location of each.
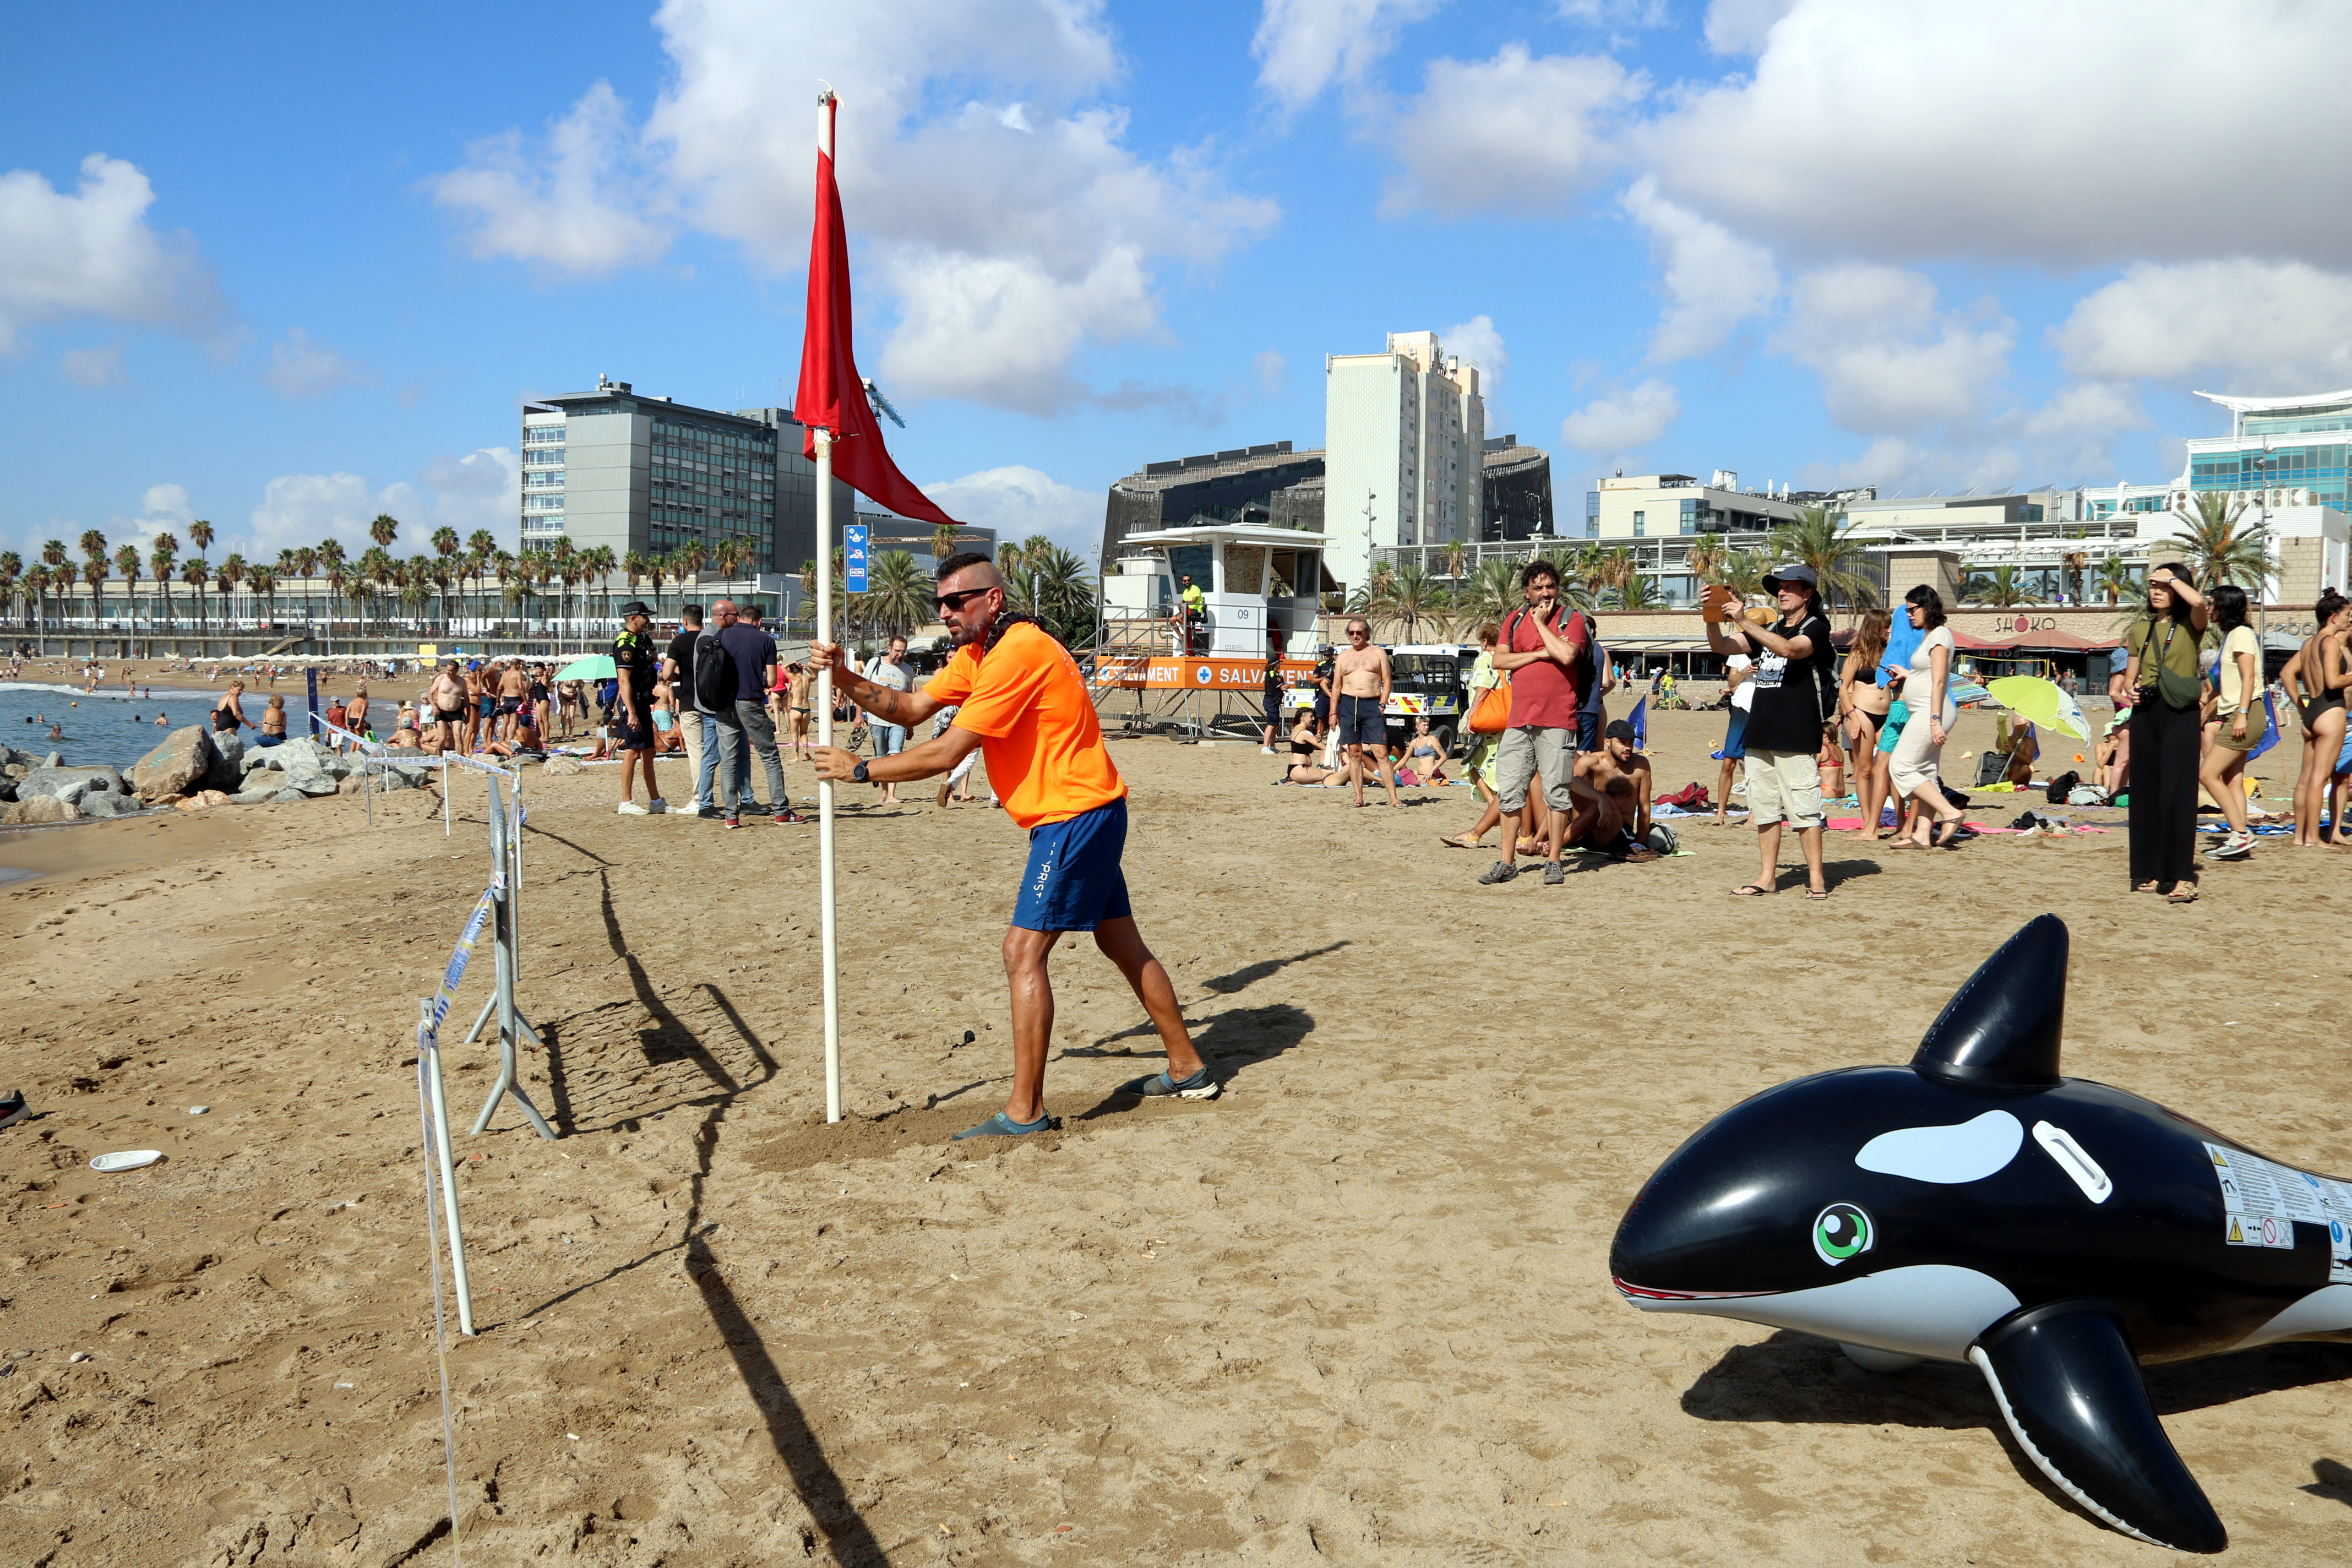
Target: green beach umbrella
(2042, 704)
(594, 667)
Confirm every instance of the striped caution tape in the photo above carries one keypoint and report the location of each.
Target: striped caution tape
(455, 974)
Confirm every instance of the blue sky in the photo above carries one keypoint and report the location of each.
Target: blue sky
(283, 268)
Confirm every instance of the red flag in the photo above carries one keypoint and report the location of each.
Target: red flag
(831, 394)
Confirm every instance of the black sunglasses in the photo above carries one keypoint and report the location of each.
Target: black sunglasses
(959, 599)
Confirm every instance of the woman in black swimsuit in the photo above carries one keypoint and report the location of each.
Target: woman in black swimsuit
(2315, 679)
(229, 714)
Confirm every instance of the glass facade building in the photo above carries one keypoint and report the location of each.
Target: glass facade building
(636, 473)
(2279, 444)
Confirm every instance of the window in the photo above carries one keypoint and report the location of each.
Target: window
(1641, 524)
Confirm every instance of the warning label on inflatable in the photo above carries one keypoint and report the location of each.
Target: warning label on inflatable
(2264, 1199)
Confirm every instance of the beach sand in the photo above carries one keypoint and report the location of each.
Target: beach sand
(1356, 1311)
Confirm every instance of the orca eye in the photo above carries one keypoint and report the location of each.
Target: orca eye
(1839, 1231)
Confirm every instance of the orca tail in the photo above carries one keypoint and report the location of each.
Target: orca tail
(2002, 1025)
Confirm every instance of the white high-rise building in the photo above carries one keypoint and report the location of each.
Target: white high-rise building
(1404, 438)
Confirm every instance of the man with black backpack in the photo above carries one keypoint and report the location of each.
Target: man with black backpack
(1543, 649)
(1795, 700)
(733, 668)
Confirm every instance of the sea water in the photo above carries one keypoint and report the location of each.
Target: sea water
(106, 726)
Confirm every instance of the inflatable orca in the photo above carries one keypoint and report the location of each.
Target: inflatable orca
(1976, 1206)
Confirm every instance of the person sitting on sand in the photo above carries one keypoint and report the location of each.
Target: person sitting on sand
(1425, 755)
(407, 735)
(1611, 787)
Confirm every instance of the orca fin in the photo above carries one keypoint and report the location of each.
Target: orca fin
(2069, 1387)
(2002, 1025)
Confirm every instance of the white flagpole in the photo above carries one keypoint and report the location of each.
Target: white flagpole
(824, 718)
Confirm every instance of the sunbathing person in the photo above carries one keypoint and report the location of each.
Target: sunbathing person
(1424, 755)
(1611, 787)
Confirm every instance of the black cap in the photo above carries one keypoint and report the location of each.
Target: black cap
(636, 608)
(1619, 730)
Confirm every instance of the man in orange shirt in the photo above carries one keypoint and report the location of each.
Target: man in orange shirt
(1022, 703)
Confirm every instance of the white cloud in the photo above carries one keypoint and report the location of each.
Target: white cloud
(300, 367)
(1477, 343)
(1614, 14)
(1740, 27)
(1304, 46)
(1270, 371)
(2018, 129)
(1623, 421)
(479, 490)
(2258, 327)
(1516, 134)
(1018, 501)
(303, 509)
(577, 205)
(91, 253)
(163, 509)
(482, 489)
(1891, 363)
(95, 366)
(988, 184)
(1713, 279)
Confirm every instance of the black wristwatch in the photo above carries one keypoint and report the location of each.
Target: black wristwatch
(858, 773)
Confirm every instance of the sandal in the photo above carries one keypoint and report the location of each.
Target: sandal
(1753, 890)
(2176, 896)
(1462, 841)
(1815, 895)
(1951, 826)
(2145, 887)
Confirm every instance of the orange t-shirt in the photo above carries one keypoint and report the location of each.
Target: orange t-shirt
(1028, 704)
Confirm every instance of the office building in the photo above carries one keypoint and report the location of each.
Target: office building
(1268, 483)
(633, 471)
(1665, 506)
(2278, 444)
(1404, 447)
(1517, 491)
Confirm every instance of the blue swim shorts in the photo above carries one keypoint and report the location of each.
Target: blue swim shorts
(1073, 881)
(1361, 722)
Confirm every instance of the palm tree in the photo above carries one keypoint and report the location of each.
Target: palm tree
(376, 568)
(2076, 564)
(197, 573)
(93, 550)
(36, 583)
(445, 545)
(898, 592)
(943, 544)
(231, 572)
(1704, 561)
(127, 561)
(1455, 552)
(1638, 593)
(659, 567)
(2001, 588)
(383, 530)
(12, 572)
(1828, 545)
(264, 582)
(2218, 543)
(1417, 597)
(331, 562)
(53, 556)
(2118, 579)
(1491, 593)
(1375, 597)
(200, 534)
(1743, 572)
(634, 567)
(161, 557)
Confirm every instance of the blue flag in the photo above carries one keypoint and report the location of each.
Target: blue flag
(2270, 728)
(1640, 719)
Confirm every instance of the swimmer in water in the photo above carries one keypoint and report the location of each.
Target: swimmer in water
(56, 732)
(160, 723)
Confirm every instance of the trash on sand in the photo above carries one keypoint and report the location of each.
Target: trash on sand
(127, 1160)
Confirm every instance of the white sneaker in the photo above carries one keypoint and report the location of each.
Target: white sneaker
(659, 808)
(631, 808)
(1266, 751)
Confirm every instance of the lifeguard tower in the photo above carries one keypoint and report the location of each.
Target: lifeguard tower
(1256, 579)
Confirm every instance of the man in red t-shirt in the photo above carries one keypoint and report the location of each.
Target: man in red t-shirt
(1541, 651)
(1021, 702)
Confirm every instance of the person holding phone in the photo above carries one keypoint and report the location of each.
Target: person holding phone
(2159, 684)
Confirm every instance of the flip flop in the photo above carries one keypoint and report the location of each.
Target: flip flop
(1460, 841)
(1753, 890)
(1815, 895)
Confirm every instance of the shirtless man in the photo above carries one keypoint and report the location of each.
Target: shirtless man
(1611, 787)
(447, 696)
(1361, 673)
(356, 712)
(514, 686)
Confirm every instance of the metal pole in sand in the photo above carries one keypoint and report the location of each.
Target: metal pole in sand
(510, 1024)
(428, 1073)
(824, 738)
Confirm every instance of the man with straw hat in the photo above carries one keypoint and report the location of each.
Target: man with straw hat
(1022, 703)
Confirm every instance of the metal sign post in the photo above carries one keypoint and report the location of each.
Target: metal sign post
(854, 557)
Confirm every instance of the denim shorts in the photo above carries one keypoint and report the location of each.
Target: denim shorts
(1073, 880)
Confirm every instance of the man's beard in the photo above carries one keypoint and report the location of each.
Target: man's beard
(960, 638)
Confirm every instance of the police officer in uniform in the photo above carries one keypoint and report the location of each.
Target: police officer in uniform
(634, 658)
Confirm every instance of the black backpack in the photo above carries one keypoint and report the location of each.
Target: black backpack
(2062, 786)
(714, 675)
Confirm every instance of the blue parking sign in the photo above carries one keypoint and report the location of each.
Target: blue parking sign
(853, 551)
